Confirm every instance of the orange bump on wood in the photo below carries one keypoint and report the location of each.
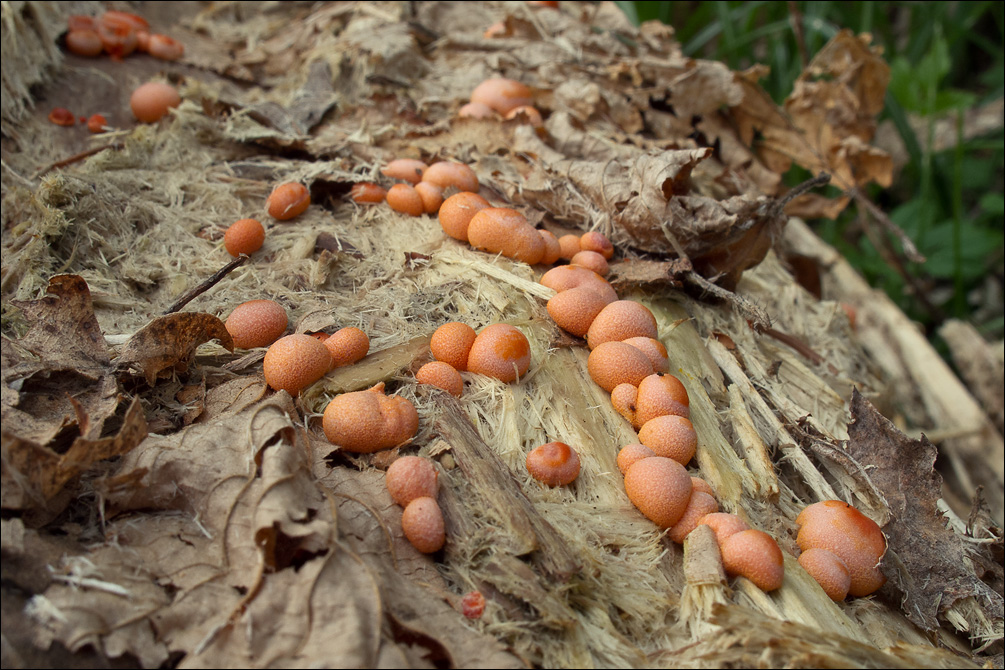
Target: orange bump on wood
(500, 351)
(447, 173)
(699, 484)
(853, 537)
(554, 464)
(441, 375)
(595, 241)
(256, 323)
(623, 397)
(502, 95)
(829, 571)
(97, 123)
(552, 250)
(698, 506)
(661, 395)
(151, 101)
(368, 421)
(505, 231)
(288, 201)
(451, 343)
(61, 116)
(660, 488)
(614, 363)
(244, 236)
(367, 193)
(570, 246)
(405, 199)
(591, 260)
(619, 321)
(164, 47)
(670, 436)
(85, 42)
(574, 310)
(755, 555)
(565, 277)
(347, 346)
(422, 523)
(294, 362)
(432, 196)
(457, 211)
(411, 477)
(406, 169)
(654, 349)
(630, 453)
(724, 525)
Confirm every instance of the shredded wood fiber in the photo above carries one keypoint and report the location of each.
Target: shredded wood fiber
(242, 537)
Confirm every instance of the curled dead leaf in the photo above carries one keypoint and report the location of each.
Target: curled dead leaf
(935, 567)
(829, 119)
(170, 341)
(33, 474)
(58, 375)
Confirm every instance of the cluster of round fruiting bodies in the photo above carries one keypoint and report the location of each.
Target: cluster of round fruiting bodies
(505, 98)
(118, 34)
(499, 350)
(628, 361)
(412, 483)
(359, 422)
(420, 188)
(841, 549)
(295, 361)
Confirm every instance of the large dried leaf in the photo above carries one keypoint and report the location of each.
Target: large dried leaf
(256, 571)
(829, 119)
(34, 474)
(169, 342)
(64, 330)
(934, 566)
(58, 375)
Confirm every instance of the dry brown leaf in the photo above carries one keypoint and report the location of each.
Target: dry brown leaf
(58, 375)
(64, 330)
(232, 397)
(633, 273)
(248, 574)
(34, 474)
(829, 119)
(251, 573)
(168, 343)
(306, 107)
(934, 566)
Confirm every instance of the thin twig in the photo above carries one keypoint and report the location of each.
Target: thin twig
(796, 19)
(76, 158)
(776, 206)
(757, 317)
(910, 250)
(208, 284)
(882, 244)
(800, 347)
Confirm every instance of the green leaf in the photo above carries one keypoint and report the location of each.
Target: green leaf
(976, 244)
(993, 204)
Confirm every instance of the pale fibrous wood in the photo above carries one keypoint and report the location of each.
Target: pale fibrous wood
(240, 536)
